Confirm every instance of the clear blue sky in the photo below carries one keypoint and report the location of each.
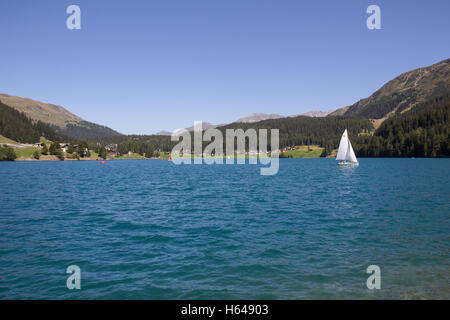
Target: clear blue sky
(145, 66)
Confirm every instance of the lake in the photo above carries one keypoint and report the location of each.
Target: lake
(149, 229)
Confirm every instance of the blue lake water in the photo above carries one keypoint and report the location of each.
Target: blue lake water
(148, 229)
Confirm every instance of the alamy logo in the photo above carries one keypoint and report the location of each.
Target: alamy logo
(213, 152)
(374, 281)
(374, 20)
(74, 20)
(74, 280)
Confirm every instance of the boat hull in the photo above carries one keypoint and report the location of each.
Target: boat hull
(348, 164)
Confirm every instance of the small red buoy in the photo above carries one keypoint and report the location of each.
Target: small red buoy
(102, 161)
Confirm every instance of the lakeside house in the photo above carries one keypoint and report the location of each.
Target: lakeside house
(64, 146)
(111, 150)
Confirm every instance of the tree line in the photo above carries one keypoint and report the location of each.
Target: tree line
(302, 130)
(156, 142)
(139, 147)
(17, 126)
(294, 131)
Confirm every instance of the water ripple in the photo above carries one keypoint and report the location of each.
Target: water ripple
(153, 230)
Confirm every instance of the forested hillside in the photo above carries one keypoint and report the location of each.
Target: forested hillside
(144, 149)
(86, 130)
(17, 126)
(57, 117)
(157, 142)
(403, 93)
(412, 112)
(415, 105)
(294, 131)
(325, 132)
(421, 132)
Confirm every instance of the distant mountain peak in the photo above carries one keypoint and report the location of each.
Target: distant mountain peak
(163, 133)
(318, 113)
(255, 117)
(205, 126)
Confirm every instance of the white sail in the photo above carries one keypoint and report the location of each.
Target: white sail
(343, 147)
(345, 153)
(350, 156)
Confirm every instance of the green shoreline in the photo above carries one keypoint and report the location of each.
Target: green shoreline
(26, 153)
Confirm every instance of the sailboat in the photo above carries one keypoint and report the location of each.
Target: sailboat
(346, 155)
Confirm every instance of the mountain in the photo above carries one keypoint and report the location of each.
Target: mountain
(255, 117)
(163, 133)
(408, 116)
(86, 130)
(58, 117)
(315, 114)
(402, 93)
(36, 110)
(419, 129)
(17, 126)
(205, 126)
(423, 131)
(303, 130)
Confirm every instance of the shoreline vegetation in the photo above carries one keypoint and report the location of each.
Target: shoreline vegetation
(11, 150)
(52, 151)
(299, 152)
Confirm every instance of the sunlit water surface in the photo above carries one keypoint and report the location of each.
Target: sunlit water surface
(151, 229)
